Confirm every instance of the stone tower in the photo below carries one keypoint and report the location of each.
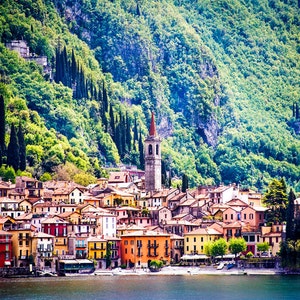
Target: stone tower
(152, 159)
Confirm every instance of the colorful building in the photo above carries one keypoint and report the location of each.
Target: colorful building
(194, 241)
(140, 247)
(57, 227)
(5, 249)
(97, 251)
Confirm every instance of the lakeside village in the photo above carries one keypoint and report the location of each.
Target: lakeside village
(127, 221)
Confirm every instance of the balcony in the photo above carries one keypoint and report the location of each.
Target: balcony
(116, 248)
(152, 255)
(80, 245)
(98, 248)
(179, 247)
(154, 246)
(41, 249)
(5, 241)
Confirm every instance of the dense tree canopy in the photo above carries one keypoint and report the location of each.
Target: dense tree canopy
(222, 78)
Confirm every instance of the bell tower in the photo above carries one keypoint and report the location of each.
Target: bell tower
(152, 159)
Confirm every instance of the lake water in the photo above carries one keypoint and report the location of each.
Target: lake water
(207, 287)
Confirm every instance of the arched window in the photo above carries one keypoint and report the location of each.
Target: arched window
(150, 150)
(157, 149)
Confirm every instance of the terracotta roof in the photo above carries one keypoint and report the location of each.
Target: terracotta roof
(204, 231)
(145, 233)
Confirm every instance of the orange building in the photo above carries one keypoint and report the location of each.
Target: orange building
(139, 248)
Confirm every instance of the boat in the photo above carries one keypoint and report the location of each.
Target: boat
(230, 266)
(103, 273)
(46, 274)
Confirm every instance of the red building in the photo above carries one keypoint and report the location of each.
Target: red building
(5, 249)
(57, 227)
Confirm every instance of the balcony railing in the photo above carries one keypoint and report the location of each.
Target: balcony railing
(97, 248)
(178, 247)
(155, 246)
(5, 241)
(152, 255)
(45, 249)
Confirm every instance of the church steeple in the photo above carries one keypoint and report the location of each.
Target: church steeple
(152, 159)
(152, 130)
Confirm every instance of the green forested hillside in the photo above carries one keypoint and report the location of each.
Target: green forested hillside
(221, 76)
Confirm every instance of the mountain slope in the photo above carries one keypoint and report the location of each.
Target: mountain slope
(221, 77)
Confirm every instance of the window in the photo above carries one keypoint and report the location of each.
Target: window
(194, 240)
(125, 242)
(251, 216)
(252, 238)
(201, 238)
(150, 150)
(157, 149)
(187, 248)
(187, 239)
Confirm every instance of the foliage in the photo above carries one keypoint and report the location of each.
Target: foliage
(290, 254)
(207, 248)
(237, 245)
(249, 254)
(222, 78)
(156, 264)
(262, 247)
(276, 200)
(219, 247)
(290, 217)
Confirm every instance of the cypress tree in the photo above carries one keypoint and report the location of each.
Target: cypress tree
(123, 135)
(118, 139)
(141, 152)
(128, 133)
(290, 216)
(185, 184)
(112, 123)
(22, 149)
(135, 131)
(73, 67)
(138, 10)
(13, 155)
(105, 98)
(2, 125)
(65, 68)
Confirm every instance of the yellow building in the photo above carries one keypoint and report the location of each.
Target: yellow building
(97, 251)
(22, 246)
(194, 241)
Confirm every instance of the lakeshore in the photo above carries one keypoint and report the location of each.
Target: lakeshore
(188, 271)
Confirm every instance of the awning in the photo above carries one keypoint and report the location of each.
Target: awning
(7, 263)
(194, 257)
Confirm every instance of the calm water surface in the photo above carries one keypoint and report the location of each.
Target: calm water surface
(153, 287)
